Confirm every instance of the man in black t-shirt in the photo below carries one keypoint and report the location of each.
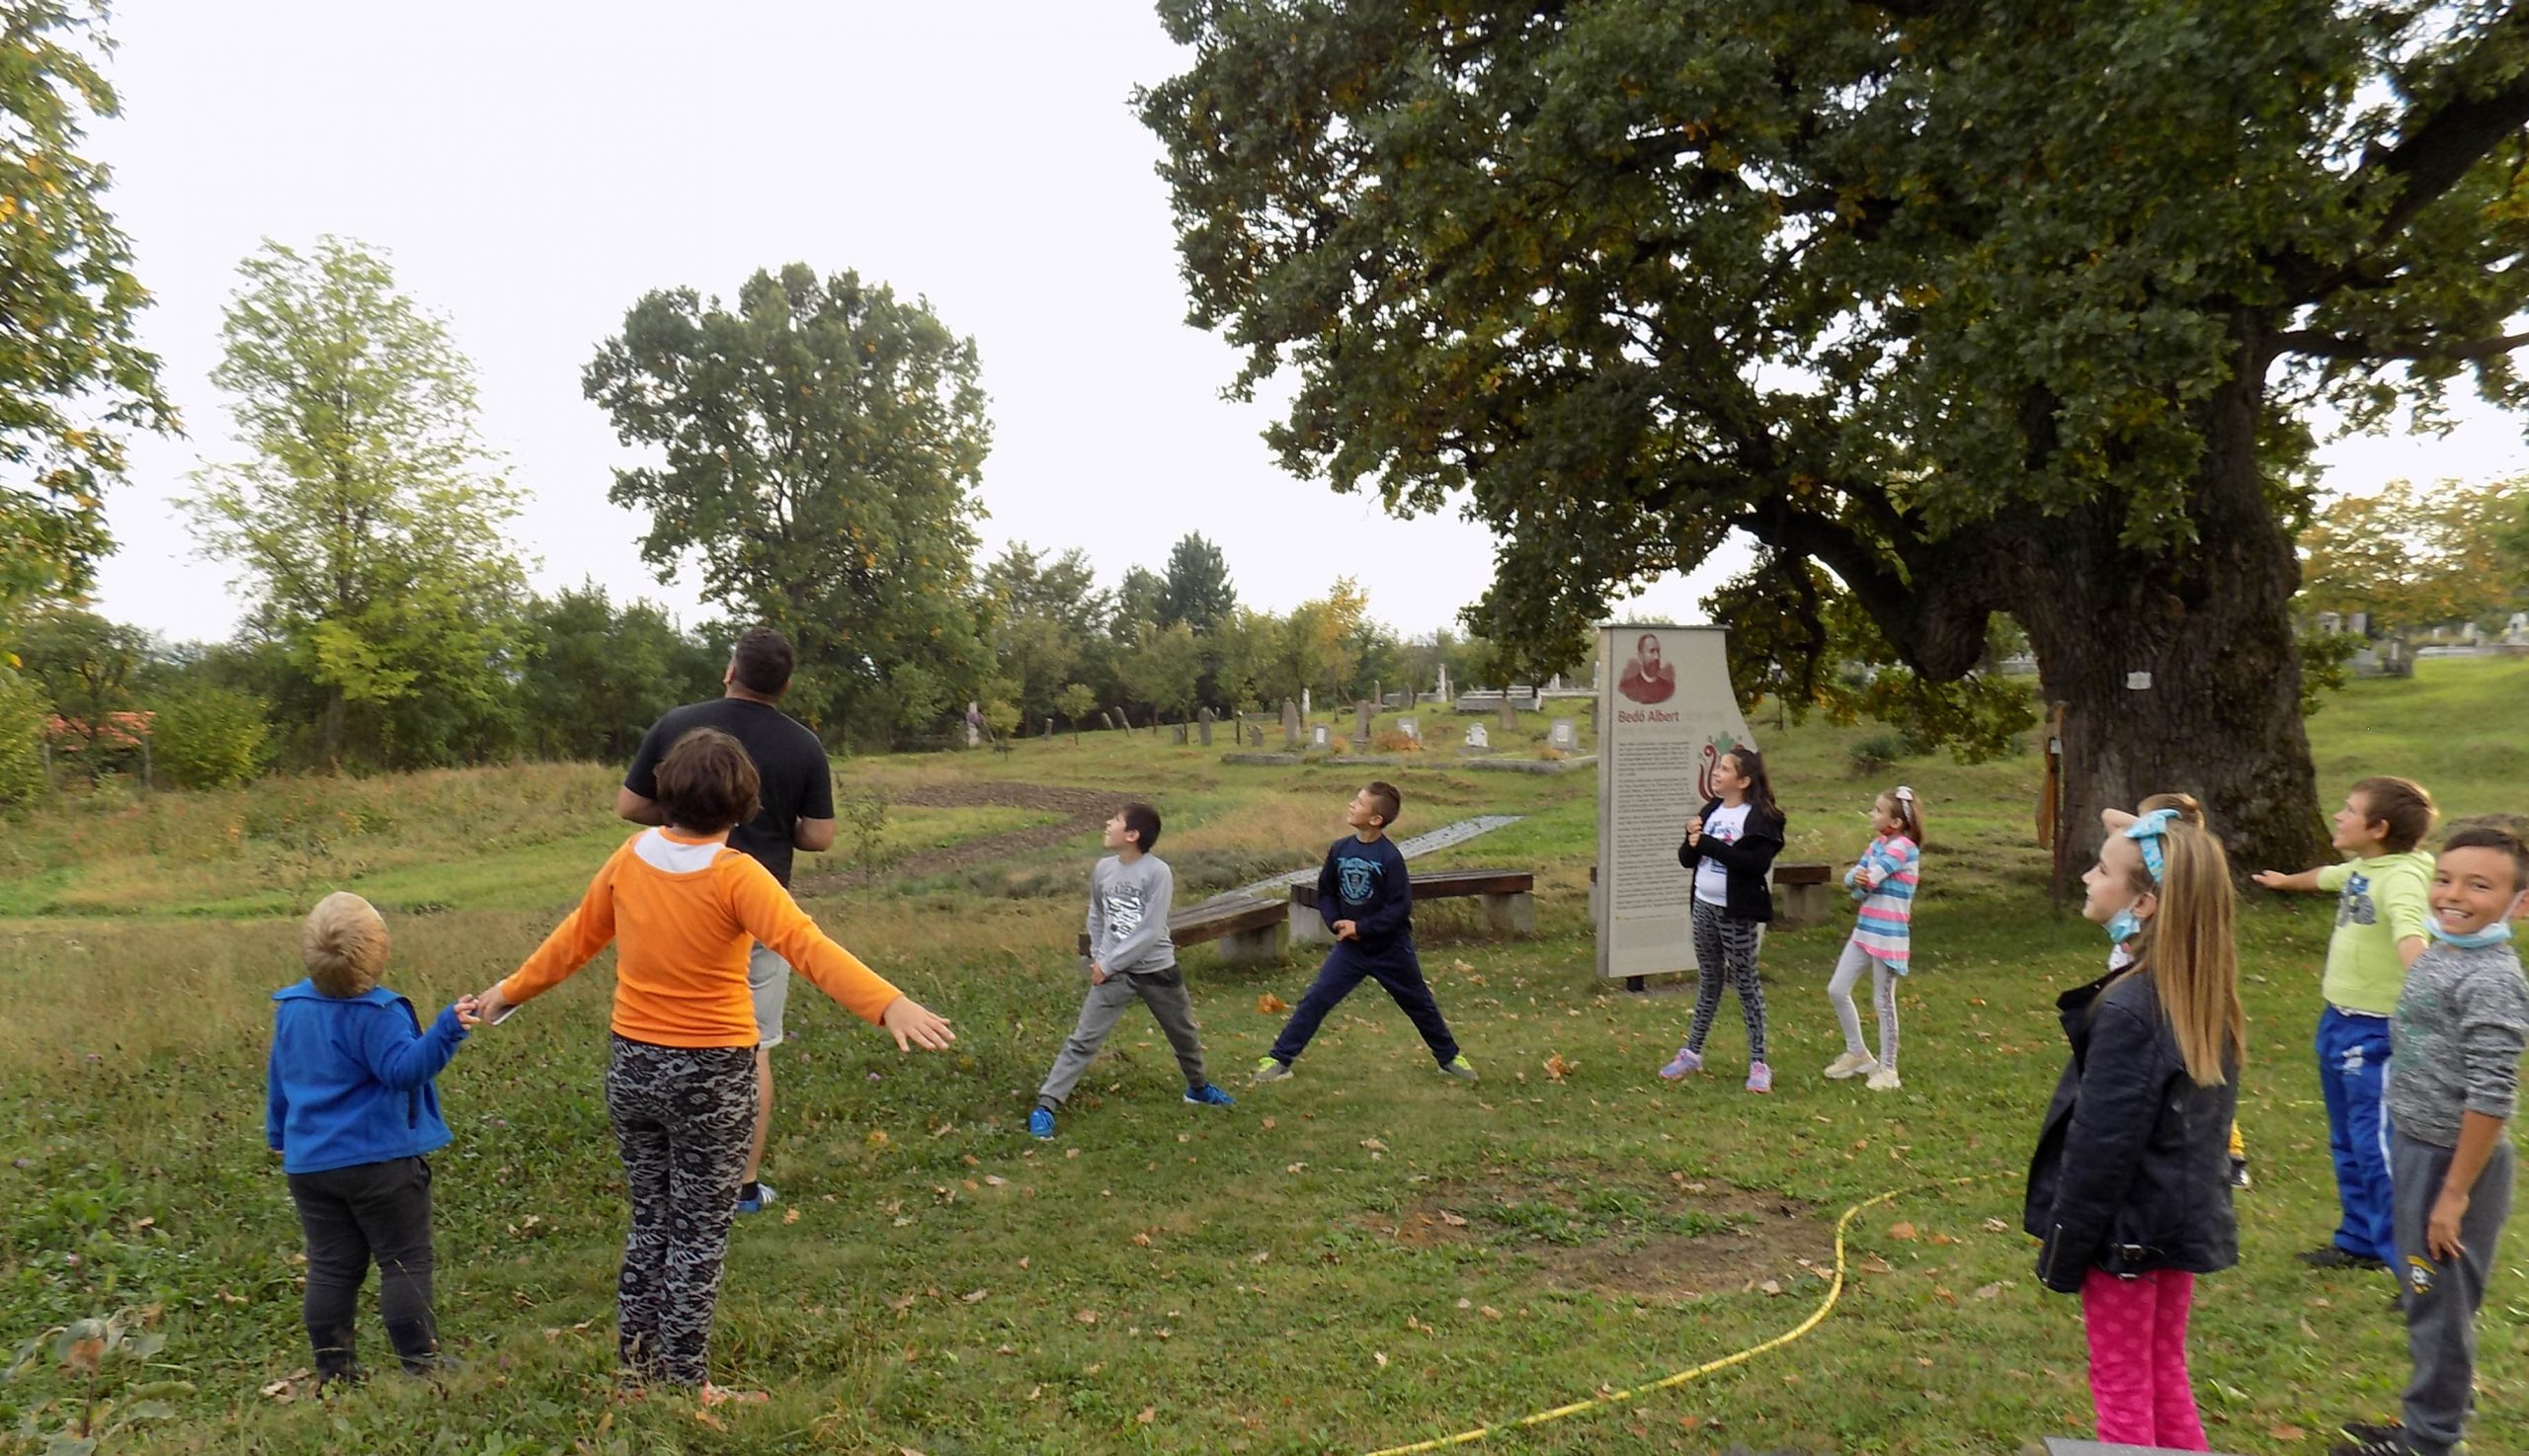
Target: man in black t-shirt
(796, 813)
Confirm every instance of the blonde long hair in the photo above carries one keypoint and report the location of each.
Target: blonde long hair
(2190, 949)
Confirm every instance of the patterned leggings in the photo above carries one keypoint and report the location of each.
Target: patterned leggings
(682, 1119)
(1883, 984)
(1727, 947)
(2139, 1383)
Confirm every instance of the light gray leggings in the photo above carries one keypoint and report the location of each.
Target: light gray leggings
(1839, 991)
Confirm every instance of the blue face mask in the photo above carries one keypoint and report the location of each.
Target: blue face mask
(2493, 932)
(2124, 926)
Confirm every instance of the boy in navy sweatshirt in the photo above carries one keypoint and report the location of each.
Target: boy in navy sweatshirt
(350, 1109)
(1368, 902)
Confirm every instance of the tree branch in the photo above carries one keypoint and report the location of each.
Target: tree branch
(2318, 345)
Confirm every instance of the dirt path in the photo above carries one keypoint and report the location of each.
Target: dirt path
(1084, 810)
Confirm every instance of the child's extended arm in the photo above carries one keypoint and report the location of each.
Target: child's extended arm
(574, 943)
(2404, 906)
(2120, 1091)
(402, 1055)
(1131, 949)
(769, 914)
(2306, 881)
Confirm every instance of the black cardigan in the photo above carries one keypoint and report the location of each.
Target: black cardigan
(2132, 1172)
(1747, 862)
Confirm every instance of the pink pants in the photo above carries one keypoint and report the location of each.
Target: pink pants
(2137, 1331)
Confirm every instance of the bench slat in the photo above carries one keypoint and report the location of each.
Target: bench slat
(1803, 873)
(1443, 884)
(1212, 921)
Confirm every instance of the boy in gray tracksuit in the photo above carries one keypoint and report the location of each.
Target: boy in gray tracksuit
(1130, 955)
(2454, 1078)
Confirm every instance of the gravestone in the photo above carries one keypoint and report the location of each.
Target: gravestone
(1305, 709)
(1477, 740)
(1362, 726)
(1049, 727)
(1105, 721)
(1123, 720)
(974, 725)
(1443, 695)
(1320, 736)
(1177, 732)
(1563, 738)
(1291, 725)
(1205, 723)
(1509, 715)
(1255, 735)
(1411, 728)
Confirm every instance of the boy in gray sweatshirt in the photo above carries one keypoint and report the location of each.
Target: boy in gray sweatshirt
(1129, 956)
(2454, 1080)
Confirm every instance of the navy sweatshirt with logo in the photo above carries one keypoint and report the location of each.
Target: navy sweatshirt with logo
(1367, 883)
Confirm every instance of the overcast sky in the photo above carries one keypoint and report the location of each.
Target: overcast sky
(532, 168)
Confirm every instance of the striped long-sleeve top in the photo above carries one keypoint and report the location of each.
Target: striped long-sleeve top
(1883, 879)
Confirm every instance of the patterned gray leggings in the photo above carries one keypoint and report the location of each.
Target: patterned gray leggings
(1725, 946)
(683, 1118)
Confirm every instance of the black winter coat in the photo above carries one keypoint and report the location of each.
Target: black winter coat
(1747, 862)
(2132, 1170)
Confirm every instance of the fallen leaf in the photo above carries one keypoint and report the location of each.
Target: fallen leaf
(2286, 1432)
(1380, 1356)
(1466, 1304)
(789, 1215)
(1149, 1415)
(1997, 1226)
(1989, 1291)
(1558, 1069)
(877, 1138)
(1490, 1313)
(1086, 1317)
(1295, 1167)
(1375, 1144)
(1771, 1286)
(1451, 1219)
(973, 1296)
(1269, 1005)
(1903, 1232)
(1876, 1265)
(1260, 1255)
(1268, 1125)
(901, 1303)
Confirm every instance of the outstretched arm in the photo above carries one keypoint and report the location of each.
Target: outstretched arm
(2306, 881)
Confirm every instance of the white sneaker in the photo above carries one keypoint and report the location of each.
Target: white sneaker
(1851, 1064)
(1885, 1079)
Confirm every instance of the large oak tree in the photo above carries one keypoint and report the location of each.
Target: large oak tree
(1981, 306)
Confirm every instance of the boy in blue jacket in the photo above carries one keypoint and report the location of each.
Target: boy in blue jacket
(350, 1109)
(1368, 902)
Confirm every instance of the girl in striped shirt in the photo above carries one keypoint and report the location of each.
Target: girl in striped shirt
(1883, 880)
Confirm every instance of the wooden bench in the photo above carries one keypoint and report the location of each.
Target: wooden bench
(1808, 890)
(1250, 929)
(1508, 895)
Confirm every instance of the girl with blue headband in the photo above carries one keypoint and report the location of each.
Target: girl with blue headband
(2129, 1189)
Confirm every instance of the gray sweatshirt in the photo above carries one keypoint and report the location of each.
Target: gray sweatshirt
(2455, 1045)
(1128, 915)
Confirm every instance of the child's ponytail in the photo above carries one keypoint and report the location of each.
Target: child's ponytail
(2189, 947)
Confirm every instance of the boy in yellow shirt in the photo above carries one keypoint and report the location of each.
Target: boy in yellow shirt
(2380, 927)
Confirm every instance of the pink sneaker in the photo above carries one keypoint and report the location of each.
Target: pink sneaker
(1760, 1078)
(1687, 1060)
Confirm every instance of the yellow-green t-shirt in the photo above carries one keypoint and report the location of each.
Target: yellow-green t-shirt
(2380, 902)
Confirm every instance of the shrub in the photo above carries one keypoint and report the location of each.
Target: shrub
(209, 737)
(22, 723)
(1394, 742)
(1876, 753)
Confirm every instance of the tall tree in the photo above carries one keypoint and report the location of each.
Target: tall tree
(1045, 617)
(89, 670)
(1142, 597)
(823, 440)
(1980, 305)
(600, 675)
(73, 380)
(1196, 589)
(367, 525)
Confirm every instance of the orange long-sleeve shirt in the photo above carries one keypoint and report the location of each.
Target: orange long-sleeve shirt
(683, 938)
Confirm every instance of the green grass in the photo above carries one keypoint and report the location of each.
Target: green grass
(1363, 1256)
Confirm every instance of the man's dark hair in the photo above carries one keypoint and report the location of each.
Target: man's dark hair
(1142, 822)
(1386, 800)
(707, 784)
(764, 661)
(2498, 835)
(2402, 805)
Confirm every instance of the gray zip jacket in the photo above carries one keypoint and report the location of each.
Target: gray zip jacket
(2456, 1043)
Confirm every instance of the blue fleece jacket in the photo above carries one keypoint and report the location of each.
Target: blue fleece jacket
(350, 1079)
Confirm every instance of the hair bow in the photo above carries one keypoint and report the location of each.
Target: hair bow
(2147, 832)
(1905, 795)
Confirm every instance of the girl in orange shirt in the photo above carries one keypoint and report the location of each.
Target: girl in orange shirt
(683, 908)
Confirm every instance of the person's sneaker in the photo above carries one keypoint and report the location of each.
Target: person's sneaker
(1040, 1123)
(1206, 1096)
(1271, 1069)
(1851, 1064)
(1458, 1067)
(1883, 1079)
(1760, 1078)
(2365, 1438)
(1687, 1060)
(763, 1198)
(2337, 1257)
(2240, 1173)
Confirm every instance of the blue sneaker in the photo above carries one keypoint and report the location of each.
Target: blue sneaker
(1208, 1095)
(1040, 1124)
(764, 1196)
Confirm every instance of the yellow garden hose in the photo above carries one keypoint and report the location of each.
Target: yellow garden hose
(1835, 1292)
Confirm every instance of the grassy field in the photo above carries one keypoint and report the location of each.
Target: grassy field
(1365, 1256)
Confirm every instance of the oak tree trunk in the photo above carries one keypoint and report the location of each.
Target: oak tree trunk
(2177, 666)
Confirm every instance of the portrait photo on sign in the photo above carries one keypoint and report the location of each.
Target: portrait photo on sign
(1646, 678)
